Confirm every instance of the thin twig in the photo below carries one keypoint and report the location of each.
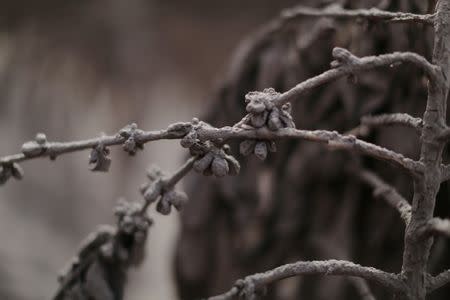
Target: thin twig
(383, 190)
(168, 182)
(54, 149)
(372, 14)
(253, 283)
(437, 226)
(350, 64)
(401, 119)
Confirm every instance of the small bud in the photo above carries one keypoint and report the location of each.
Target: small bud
(163, 207)
(189, 139)
(16, 171)
(153, 191)
(246, 147)
(219, 167)
(154, 172)
(40, 138)
(179, 200)
(128, 130)
(203, 163)
(261, 150)
(226, 148)
(130, 146)
(99, 159)
(5, 174)
(32, 148)
(259, 120)
(274, 123)
(233, 164)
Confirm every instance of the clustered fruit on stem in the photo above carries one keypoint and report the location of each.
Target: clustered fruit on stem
(262, 112)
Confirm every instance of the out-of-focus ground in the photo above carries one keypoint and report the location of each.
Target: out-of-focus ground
(74, 69)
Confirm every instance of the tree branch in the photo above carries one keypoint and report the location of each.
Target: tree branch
(437, 226)
(348, 64)
(393, 119)
(206, 132)
(373, 14)
(438, 281)
(35, 149)
(332, 138)
(385, 191)
(251, 284)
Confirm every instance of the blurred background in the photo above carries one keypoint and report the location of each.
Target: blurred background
(75, 69)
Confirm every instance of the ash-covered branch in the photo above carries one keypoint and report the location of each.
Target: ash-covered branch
(382, 190)
(129, 137)
(253, 284)
(400, 119)
(201, 138)
(438, 281)
(372, 14)
(437, 226)
(346, 64)
(332, 138)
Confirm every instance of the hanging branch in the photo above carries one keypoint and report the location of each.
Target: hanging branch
(252, 284)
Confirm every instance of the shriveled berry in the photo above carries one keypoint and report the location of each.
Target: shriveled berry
(261, 150)
(203, 163)
(219, 167)
(178, 199)
(246, 147)
(163, 207)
